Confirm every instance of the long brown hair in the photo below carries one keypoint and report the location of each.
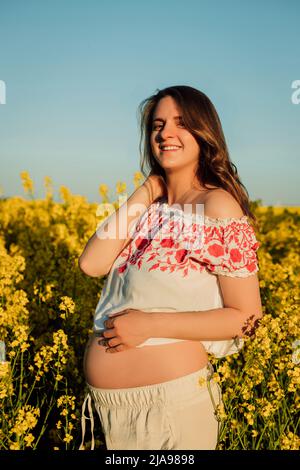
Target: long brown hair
(202, 121)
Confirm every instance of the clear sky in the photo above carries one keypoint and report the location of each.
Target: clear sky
(76, 70)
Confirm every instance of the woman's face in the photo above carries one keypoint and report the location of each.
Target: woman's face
(168, 129)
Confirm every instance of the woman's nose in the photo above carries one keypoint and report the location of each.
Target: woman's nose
(167, 131)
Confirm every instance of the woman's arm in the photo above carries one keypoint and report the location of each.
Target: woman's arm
(104, 246)
(239, 317)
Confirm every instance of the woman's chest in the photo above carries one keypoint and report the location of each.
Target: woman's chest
(166, 246)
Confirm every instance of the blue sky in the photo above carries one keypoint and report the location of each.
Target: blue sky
(76, 71)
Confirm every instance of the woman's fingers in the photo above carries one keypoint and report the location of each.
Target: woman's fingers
(107, 334)
(108, 323)
(110, 342)
(118, 348)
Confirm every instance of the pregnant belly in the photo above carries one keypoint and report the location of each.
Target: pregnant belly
(136, 367)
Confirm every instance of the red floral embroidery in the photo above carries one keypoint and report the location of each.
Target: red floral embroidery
(121, 269)
(140, 243)
(235, 255)
(167, 242)
(216, 250)
(231, 247)
(180, 255)
(222, 246)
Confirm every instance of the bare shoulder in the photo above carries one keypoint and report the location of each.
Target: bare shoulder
(219, 203)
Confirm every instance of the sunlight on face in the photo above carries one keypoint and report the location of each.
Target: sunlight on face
(168, 129)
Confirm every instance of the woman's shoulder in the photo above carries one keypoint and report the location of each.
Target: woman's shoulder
(219, 203)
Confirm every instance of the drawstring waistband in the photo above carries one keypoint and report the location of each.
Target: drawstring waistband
(115, 394)
(88, 401)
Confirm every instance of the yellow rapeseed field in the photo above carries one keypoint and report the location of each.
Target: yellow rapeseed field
(46, 312)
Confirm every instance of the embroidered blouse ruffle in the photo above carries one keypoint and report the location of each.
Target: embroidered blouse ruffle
(172, 264)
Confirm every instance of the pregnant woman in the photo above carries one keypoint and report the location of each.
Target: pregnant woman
(181, 266)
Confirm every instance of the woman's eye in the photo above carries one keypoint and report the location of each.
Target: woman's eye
(179, 124)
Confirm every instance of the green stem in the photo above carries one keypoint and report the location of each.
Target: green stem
(30, 392)
(21, 377)
(46, 417)
(260, 437)
(66, 431)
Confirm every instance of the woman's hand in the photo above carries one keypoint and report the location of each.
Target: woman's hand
(125, 330)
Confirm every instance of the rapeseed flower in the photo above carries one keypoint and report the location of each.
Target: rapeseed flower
(27, 182)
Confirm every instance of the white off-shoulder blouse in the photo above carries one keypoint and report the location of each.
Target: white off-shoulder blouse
(172, 264)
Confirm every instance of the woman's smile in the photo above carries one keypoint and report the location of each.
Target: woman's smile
(170, 150)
